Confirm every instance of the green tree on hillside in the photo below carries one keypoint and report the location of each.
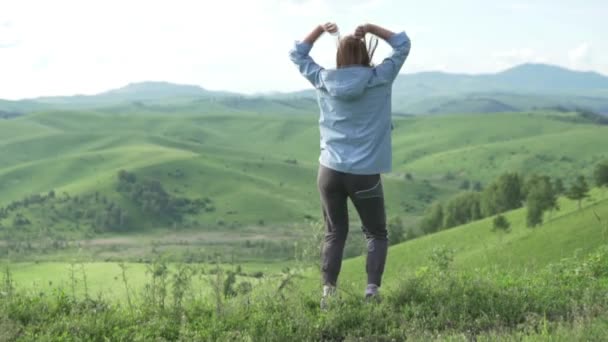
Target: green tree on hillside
(396, 231)
(504, 194)
(546, 190)
(462, 208)
(534, 214)
(600, 174)
(433, 219)
(579, 190)
(540, 197)
(558, 187)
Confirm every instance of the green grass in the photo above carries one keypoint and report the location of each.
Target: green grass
(568, 233)
(483, 146)
(563, 301)
(105, 278)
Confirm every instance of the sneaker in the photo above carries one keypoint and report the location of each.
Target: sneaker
(372, 292)
(328, 291)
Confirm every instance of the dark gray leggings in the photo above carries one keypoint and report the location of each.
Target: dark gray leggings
(365, 191)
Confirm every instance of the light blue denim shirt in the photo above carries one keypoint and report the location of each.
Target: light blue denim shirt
(355, 104)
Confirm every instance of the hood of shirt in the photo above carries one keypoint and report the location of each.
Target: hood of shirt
(347, 83)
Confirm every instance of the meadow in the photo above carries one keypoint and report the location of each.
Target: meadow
(262, 169)
(236, 257)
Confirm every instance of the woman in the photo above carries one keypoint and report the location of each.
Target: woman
(355, 127)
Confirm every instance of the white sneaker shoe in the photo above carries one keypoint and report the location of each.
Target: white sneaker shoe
(328, 291)
(372, 292)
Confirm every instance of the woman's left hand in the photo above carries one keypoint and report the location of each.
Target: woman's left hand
(330, 27)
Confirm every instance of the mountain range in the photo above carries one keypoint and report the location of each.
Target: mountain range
(524, 87)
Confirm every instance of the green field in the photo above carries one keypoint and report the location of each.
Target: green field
(256, 177)
(257, 171)
(242, 161)
(570, 232)
(546, 283)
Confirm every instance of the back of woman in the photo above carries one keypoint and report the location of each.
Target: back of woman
(355, 101)
(355, 129)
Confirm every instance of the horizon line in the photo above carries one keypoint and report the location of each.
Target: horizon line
(271, 92)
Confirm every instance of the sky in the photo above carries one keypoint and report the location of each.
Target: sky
(66, 47)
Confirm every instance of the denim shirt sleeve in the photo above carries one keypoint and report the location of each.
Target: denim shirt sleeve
(299, 55)
(389, 68)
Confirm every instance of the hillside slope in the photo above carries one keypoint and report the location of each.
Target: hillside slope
(263, 168)
(568, 233)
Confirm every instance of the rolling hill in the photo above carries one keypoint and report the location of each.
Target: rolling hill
(262, 168)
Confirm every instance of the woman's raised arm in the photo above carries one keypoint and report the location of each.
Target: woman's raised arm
(388, 70)
(300, 56)
(312, 37)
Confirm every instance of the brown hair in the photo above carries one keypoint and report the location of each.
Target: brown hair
(353, 51)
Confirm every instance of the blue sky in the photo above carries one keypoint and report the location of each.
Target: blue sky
(65, 47)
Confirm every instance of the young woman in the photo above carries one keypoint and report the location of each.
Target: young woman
(355, 127)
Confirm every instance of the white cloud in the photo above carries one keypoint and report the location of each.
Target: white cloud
(516, 6)
(9, 37)
(580, 56)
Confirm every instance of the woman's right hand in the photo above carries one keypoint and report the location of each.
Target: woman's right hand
(361, 30)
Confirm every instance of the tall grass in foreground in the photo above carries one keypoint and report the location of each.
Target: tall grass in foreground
(566, 300)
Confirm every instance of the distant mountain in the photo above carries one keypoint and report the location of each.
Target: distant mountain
(141, 91)
(155, 90)
(523, 79)
(549, 78)
(524, 87)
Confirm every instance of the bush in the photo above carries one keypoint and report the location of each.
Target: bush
(600, 174)
(462, 208)
(501, 223)
(396, 231)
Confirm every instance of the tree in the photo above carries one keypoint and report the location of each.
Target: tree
(534, 215)
(465, 185)
(462, 208)
(545, 189)
(396, 231)
(433, 219)
(477, 186)
(504, 194)
(558, 187)
(510, 191)
(540, 197)
(600, 174)
(501, 223)
(579, 190)
(229, 282)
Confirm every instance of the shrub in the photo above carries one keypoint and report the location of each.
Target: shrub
(501, 223)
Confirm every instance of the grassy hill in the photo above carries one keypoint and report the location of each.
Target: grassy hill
(263, 168)
(568, 233)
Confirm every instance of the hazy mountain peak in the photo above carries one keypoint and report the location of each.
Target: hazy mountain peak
(157, 88)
